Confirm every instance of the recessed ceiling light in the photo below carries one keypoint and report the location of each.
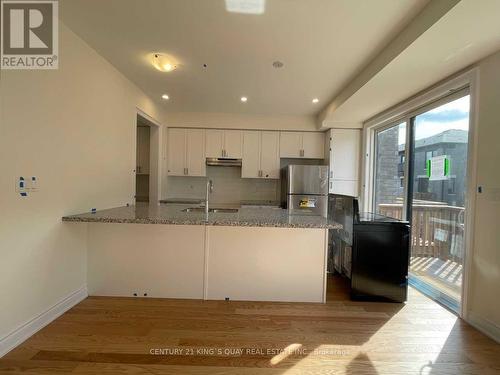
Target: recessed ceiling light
(278, 64)
(246, 6)
(165, 96)
(163, 62)
(244, 99)
(315, 100)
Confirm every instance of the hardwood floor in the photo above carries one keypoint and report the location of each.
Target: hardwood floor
(153, 336)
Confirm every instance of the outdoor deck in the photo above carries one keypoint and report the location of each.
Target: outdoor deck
(443, 275)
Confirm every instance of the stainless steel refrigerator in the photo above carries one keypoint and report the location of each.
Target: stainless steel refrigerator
(304, 189)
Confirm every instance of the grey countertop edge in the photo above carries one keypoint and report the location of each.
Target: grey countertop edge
(198, 222)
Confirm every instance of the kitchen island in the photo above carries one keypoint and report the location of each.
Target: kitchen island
(253, 254)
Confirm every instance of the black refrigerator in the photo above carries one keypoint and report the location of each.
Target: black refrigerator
(371, 249)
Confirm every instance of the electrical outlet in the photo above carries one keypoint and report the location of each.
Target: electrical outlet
(32, 184)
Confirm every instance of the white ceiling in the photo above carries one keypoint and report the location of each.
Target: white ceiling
(323, 44)
(467, 33)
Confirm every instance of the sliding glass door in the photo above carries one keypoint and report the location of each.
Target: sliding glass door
(429, 191)
(438, 192)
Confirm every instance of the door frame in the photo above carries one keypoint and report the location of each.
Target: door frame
(155, 156)
(404, 112)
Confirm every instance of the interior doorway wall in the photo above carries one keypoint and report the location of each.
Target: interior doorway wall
(148, 146)
(142, 163)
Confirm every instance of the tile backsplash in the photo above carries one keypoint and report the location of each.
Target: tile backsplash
(229, 187)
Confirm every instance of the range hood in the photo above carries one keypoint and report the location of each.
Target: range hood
(224, 162)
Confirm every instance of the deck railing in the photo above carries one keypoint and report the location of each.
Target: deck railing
(437, 229)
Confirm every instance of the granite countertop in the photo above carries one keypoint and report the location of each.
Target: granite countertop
(173, 214)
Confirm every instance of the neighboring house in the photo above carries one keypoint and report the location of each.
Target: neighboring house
(451, 142)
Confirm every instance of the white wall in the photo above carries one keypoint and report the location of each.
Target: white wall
(241, 121)
(74, 128)
(484, 304)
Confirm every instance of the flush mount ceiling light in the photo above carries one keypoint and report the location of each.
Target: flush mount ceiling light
(165, 97)
(246, 6)
(163, 63)
(244, 99)
(315, 100)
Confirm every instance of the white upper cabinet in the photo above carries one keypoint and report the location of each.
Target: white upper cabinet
(307, 145)
(195, 152)
(186, 152)
(290, 144)
(224, 143)
(214, 142)
(269, 154)
(343, 159)
(233, 144)
(250, 163)
(176, 152)
(260, 154)
(313, 145)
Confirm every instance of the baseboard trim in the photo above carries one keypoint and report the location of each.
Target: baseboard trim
(485, 326)
(28, 329)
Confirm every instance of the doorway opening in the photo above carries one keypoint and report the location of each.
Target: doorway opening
(143, 155)
(147, 165)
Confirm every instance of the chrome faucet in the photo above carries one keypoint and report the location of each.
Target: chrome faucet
(210, 188)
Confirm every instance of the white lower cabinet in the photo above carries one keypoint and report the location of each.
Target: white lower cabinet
(266, 264)
(165, 261)
(207, 262)
(260, 154)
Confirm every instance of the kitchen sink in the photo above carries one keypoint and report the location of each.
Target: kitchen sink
(212, 210)
(223, 210)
